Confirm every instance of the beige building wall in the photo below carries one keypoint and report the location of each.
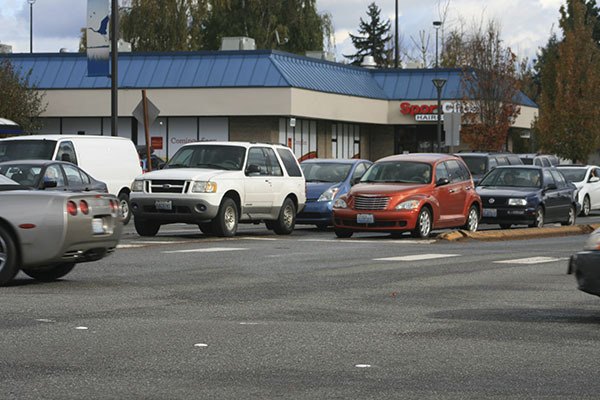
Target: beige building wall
(378, 141)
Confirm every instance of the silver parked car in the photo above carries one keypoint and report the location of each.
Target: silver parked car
(45, 234)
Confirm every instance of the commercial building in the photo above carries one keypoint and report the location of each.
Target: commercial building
(317, 107)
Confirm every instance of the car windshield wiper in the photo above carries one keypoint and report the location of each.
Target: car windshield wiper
(176, 166)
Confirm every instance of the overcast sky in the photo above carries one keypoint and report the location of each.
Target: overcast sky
(525, 24)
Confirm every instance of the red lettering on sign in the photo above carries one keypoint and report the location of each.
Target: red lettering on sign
(407, 108)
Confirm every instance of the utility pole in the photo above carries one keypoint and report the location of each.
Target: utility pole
(114, 74)
(396, 57)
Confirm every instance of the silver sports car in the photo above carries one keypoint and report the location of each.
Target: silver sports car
(45, 234)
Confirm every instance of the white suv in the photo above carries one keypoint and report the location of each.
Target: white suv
(218, 184)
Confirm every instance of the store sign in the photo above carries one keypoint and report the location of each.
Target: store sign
(156, 142)
(425, 112)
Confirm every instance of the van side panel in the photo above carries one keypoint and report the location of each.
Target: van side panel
(109, 159)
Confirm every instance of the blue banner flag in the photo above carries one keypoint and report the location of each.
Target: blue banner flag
(98, 38)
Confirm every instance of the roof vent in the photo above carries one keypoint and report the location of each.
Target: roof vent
(238, 43)
(368, 62)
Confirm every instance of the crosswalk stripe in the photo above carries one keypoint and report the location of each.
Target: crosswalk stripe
(209, 250)
(416, 257)
(129, 246)
(531, 260)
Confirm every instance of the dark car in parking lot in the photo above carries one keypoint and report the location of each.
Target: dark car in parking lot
(51, 175)
(326, 180)
(586, 265)
(480, 163)
(530, 195)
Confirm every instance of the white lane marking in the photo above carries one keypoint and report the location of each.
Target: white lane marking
(256, 238)
(363, 365)
(249, 323)
(44, 320)
(358, 241)
(531, 260)
(417, 257)
(81, 328)
(129, 246)
(158, 241)
(209, 250)
(200, 345)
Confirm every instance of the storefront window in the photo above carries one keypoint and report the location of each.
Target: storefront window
(300, 135)
(345, 141)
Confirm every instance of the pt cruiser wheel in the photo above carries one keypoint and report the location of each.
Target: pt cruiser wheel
(226, 221)
(472, 219)
(8, 257)
(423, 228)
(51, 273)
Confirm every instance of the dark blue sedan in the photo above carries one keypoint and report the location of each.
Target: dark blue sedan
(527, 195)
(326, 180)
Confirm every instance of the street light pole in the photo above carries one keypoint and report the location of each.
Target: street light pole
(439, 84)
(31, 2)
(114, 73)
(436, 25)
(396, 46)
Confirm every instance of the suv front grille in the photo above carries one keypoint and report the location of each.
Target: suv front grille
(371, 203)
(167, 186)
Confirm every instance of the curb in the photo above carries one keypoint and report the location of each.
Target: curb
(518, 234)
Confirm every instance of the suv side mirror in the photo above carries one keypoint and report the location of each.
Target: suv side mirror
(594, 179)
(442, 182)
(252, 169)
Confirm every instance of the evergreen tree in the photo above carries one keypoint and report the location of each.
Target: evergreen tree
(21, 101)
(373, 39)
(569, 112)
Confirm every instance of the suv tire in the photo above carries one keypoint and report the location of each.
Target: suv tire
(226, 222)
(145, 228)
(287, 218)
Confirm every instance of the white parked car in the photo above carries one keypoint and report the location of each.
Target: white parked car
(218, 184)
(587, 180)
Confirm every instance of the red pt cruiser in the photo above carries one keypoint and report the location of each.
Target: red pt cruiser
(410, 192)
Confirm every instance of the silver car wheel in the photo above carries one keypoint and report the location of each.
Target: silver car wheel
(424, 224)
(229, 218)
(473, 220)
(3, 253)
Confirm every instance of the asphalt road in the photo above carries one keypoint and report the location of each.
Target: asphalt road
(305, 316)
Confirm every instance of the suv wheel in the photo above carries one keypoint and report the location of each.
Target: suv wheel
(50, 273)
(206, 228)
(8, 257)
(145, 228)
(287, 218)
(226, 221)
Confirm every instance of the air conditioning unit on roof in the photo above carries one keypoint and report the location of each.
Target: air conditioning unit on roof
(238, 43)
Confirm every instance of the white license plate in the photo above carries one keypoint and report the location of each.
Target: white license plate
(163, 205)
(364, 219)
(490, 212)
(97, 225)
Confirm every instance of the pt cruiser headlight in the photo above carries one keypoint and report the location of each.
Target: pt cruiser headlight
(517, 202)
(137, 186)
(339, 203)
(329, 194)
(408, 205)
(204, 187)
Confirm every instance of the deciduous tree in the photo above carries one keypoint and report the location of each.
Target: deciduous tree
(21, 101)
(569, 113)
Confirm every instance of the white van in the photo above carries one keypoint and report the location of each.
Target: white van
(113, 160)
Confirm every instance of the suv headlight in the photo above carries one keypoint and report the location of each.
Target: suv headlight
(408, 205)
(204, 187)
(593, 242)
(339, 203)
(517, 202)
(137, 186)
(329, 194)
